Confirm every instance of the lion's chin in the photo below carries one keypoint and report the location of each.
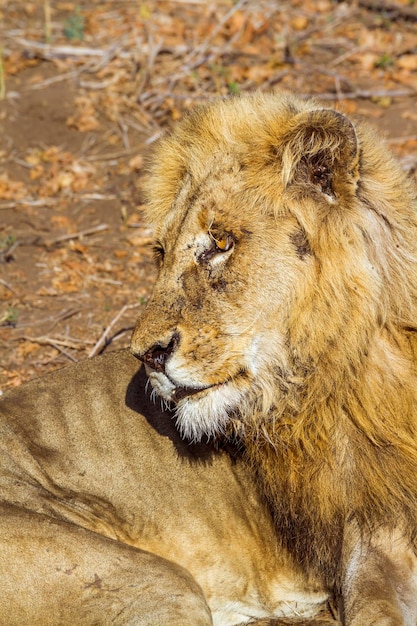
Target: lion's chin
(201, 412)
(180, 393)
(205, 415)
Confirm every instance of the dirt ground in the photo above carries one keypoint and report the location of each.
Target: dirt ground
(85, 90)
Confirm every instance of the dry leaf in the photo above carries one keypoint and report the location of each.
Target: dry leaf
(408, 62)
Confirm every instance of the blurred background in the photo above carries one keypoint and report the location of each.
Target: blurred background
(85, 90)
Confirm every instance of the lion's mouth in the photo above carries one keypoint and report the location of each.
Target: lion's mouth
(179, 393)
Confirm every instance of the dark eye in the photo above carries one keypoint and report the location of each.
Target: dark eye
(158, 253)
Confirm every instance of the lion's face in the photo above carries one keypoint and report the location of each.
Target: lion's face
(216, 323)
(252, 203)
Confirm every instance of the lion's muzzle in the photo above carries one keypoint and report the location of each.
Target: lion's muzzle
(157, 355)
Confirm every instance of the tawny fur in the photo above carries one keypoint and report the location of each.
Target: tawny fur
(329, 420)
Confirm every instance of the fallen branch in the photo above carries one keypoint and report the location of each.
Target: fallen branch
(110, 156)
(65, 353)
(395, 10)
(47, 51)
(52, 80)
(201, 50)
(55, 319)
(29, 202)
(103, 340)
(97, 196)
(82, 233)
(362, 94)
(75, 344)
(3, 282)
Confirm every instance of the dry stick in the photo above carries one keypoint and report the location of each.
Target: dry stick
(152, 51)
(76, 344)
(52, 80)
(64, 316)
(65, 353)
(346, 55)
(200, 50)
(97, 196)
(102, 341)
(79, 235)
(55, 319)
(3, 282)
(29, 202)
(109, 55)
(47, 14)
(362, 94)
(395, 10)
(111, 155)
(106, 281)
(48, 51)
(103, 84)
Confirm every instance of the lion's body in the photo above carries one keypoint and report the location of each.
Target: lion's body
(285, 316)
(108, 517)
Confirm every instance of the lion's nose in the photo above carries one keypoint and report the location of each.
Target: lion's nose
(157, 355)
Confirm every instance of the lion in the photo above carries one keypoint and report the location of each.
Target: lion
(270, 475)
(284, 319)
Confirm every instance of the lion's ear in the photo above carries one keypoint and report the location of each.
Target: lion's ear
(321, 149)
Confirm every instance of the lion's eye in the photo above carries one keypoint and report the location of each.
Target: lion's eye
(223, 243)
(158, 253)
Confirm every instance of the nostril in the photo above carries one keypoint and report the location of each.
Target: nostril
(155, 358)
(157, 355)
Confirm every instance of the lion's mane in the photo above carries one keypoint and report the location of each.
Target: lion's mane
(341, 442)
(331, 429)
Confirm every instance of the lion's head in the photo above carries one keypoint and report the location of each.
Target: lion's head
(285, 239)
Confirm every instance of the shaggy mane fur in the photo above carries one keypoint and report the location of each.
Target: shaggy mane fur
(331, 429)
(341, 443)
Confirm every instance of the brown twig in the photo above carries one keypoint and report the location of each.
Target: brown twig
(75, 344)
(47, 51)
(52, 80)
(29, 202)
(60, 317)
(201, 50)
(47, 16)
(104, 337)
(396, 11)
(82, 233)
(110, 156)
(3, 282)
(363, 94)
(65, 353)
